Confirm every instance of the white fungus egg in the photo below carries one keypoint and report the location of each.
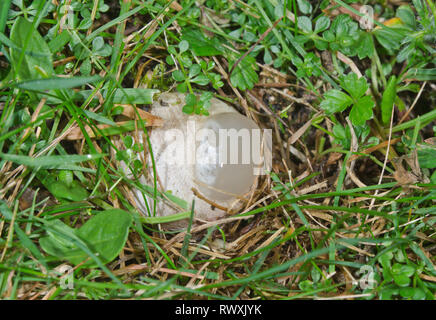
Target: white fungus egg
(219, 156)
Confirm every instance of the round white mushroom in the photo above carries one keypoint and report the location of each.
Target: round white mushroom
(205, 157)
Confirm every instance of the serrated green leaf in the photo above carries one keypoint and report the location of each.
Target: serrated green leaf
(244, 76)
(335, 101)
(390, 38)
(420, 8)
(355, 86)
(362, 111)
(365, 46)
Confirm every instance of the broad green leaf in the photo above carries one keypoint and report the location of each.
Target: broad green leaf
(244, 76)
(403, 269)
(59, 41)
(305, 24)
(37, 56)
(183, 46)
(401, 280)
(322, 24)
(427, 156)
(201, 80)
(59, 242)
(362, 111)
(97, 43)
(405, 13)
(188, 109)
(191, 99)
(390, 38)
(178, 75)
(194, 70)
(387, 293)
(61, 252)
(56, 83)
(412, 293)
(62, 191)
(201, 45)
(66, 176)
(56, 226)
(106, 233)
(335, 101)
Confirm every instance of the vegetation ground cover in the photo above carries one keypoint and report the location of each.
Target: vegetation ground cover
(347, 211)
